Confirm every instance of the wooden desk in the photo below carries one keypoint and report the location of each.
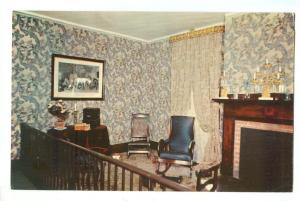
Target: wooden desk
(96, 139)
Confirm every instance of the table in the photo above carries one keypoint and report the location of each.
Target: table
(96, 139)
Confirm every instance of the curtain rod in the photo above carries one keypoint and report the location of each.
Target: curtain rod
(197, 33)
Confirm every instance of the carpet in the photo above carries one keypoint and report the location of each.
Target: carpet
(149, 165)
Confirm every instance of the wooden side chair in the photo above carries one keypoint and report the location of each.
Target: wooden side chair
(140, 135)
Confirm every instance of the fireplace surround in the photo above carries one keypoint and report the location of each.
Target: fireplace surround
(277, 113)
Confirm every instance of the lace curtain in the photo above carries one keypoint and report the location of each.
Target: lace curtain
(195, 71)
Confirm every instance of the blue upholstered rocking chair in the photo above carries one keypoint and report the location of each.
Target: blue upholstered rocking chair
(178, 149)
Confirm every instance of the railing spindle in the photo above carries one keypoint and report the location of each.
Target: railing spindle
(72, 180)
(116, 178)
(71, 170)
(78, 173)
(108, 176)
(151, 185)
(140, 183)
(94, 173)
(59, 180)
(102, 175)
(131, 181)
(123, 179)
(82, 165)
(68, 167)
(88, 174)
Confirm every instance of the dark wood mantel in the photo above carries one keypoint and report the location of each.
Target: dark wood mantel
(279, 112)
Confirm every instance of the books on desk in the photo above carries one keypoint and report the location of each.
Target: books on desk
(82, 127)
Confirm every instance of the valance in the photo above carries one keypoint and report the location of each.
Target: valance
(197, 33)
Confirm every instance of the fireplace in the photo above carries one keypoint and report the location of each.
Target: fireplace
(263, 155)
(265, 123)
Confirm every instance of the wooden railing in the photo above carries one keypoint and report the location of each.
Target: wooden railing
(53, 163)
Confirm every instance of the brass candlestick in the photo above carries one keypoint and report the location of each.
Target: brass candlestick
(223, 92)
(223, 87)
(265, 78)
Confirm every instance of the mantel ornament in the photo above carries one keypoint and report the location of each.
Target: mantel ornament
(223, 87)
(269, 79)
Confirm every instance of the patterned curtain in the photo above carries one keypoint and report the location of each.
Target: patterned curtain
(195, 71)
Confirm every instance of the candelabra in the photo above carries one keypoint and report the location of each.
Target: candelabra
(267, 77)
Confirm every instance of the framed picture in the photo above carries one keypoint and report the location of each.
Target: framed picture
(77, 78)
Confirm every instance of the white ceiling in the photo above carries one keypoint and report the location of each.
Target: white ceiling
(145, 26)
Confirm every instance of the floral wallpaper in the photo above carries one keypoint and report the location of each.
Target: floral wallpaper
(136, 74)
(136, 77)
(252, 38)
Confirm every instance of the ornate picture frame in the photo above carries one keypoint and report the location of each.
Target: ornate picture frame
(76, 78)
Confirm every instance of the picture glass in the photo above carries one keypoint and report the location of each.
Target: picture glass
(75, 78)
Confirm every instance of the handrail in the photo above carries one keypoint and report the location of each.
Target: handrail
(66, 175)
(162, 180)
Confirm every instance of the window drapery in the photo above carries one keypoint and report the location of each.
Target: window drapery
(195, 71)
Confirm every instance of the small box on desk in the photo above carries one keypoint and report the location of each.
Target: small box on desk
(91, 116)
(82, 127)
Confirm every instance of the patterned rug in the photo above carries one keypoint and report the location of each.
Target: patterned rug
(149, 165)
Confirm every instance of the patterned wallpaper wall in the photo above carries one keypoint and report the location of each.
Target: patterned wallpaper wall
(252, 38)
(136, 77)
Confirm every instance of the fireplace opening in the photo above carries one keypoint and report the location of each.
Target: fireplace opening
(266, 160)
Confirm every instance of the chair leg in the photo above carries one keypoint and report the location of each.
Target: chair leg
(157, 167)
(149, 151)
(167, 167)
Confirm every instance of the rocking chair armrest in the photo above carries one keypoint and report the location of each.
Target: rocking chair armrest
(162, 145)
(191, 147)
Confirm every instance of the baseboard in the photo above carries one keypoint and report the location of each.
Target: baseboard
(119, 148)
